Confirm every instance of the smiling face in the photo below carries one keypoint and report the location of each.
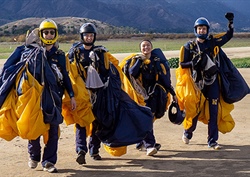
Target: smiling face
(49, 34)
(146, 47)
(88, 37)
(201, 29)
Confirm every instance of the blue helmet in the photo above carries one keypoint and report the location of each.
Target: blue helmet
(175, 115)
(201, 22)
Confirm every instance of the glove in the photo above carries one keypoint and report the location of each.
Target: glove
(230, 17)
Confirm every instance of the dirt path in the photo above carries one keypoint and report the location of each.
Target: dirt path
(175, 159)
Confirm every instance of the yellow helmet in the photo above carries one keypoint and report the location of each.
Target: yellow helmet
(48, 24)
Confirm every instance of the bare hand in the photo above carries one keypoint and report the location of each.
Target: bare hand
(73, 103)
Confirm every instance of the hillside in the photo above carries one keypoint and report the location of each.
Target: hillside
(66, 25)
(175, 16)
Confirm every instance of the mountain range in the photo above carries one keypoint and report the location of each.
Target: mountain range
(160, 16)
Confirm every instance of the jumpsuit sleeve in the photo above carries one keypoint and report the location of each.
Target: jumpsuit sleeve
(225, 38)
(66, 79)
(71, 54)
(186, 61)
(165, 79)
(135, 69)
(103, 66)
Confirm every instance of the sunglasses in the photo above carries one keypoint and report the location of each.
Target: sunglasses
(52, 32)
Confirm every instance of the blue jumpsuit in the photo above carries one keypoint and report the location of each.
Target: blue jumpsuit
(54, 56)
(211, 92)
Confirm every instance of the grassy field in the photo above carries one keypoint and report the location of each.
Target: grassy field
(241, 62)
(128, 45)
(132, 45)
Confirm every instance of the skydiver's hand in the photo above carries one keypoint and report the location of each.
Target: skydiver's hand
(73, 103)
(140, 57)
(230, 17)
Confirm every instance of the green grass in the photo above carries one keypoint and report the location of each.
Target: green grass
(241, 62)
(132, 46)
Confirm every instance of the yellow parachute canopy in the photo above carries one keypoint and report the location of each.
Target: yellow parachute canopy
(22, 115)
(30, 122)
(8, 118)
(83, 114)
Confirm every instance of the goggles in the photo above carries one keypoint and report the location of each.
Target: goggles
(46, 32)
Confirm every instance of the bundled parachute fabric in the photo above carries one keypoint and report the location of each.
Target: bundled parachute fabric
(234, 87)
(189, 97)
(30, 122)
(116, 151)
(26, 120)
(83, 114)
(164, 101)
(41, 70)
(13, 59)
(194, 103)
(8, 77)
(121, 120)
(225, 120)
(157, 52)
(84, 108)
(51, 102)
(158, 97)
(126, 84)
(8, 117)
(158, 101)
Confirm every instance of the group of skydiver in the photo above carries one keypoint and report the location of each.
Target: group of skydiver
(111, 102)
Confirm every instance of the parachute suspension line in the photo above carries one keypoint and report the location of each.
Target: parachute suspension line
(93, 97)
(35, 54)
(32, 54)
(139, 88)
(35, 51)
(43, 65)
(58, 72)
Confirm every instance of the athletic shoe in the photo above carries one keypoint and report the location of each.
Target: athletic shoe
(151, 151)
(49, 167)
(32, 163)
(215, 146)
(157, 146)
(185, 139)
(81, 157)
(141, 147)
(96, 157)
